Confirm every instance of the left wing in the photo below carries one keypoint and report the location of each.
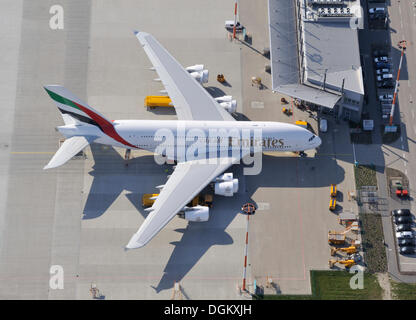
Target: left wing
(188, 179)
(190, 99)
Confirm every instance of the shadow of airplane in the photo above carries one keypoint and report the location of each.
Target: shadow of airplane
(111, 178)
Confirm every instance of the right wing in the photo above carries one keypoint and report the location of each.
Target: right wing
(68, 149)
(190, 99)
(188, 179)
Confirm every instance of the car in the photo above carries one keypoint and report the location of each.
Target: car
(404, 219)
(401, 212)
(406, 242)
(387, 84)
(385, 76)
(378, 16)
(229, 25)
(404, 227)
(323, 125)
(386, 97)
(378, 10)
(383, 65)
(384, 59)
(404, 235)
(407, 250)
(381, 71)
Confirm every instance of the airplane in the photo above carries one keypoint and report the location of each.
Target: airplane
(196, 110)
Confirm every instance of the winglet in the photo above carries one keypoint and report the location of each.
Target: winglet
(135, 32)
(135, 241)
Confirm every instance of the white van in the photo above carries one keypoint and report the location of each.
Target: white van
(323, 125)
(384, 77)
(229, 25)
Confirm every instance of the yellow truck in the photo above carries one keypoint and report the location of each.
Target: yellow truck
(205, 200)
(302, 124)
(333, 190)
(332, 204)
(157, 101)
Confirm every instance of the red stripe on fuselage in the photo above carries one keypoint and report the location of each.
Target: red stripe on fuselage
(106, 126)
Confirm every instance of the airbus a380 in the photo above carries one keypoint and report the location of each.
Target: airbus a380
(196, 111)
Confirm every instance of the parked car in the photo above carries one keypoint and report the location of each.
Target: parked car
(386, 97)
(323, 125)
(387, 84)
(404, 235)
(384, 59)
(407, 250)
(404, 227)
(401, 212)
(385, 76)
(383, 64)
(403, 220)
(406, 242)
(381, 71)
(378, 10)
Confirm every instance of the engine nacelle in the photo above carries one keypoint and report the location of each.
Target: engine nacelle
(228, 176)
(226, 188)
(224, 99)
(195, 214)
(201, 76)
(195, 68)
(230, 107)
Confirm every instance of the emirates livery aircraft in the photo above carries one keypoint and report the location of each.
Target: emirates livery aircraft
(196, 110)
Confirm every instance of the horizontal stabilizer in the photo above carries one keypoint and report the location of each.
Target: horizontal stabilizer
(68, 149)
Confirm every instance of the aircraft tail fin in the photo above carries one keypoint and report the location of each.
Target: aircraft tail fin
(69, 104)
(68, 149)
(79, 111)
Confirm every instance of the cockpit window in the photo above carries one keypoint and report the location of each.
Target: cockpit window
(311, 138)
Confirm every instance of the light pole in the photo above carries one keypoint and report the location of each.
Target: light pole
(235, 19)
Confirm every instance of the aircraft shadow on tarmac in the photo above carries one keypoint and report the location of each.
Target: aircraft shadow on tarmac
(198, 238)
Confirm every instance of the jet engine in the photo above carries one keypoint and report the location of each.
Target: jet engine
(230, 107)
(195, 68)
(200, 76)
(225, 185)
(195, 214)
(227, 103)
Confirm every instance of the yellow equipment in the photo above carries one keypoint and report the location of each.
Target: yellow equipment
(332, 204)
(204, 200)
(157, 101)
(347, 263)
(220, 78)
(336, 238)
(303, 124)
(348, 250)
(287, 111)
(333, 190)
(148, 199)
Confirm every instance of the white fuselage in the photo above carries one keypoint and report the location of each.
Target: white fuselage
(149, 134)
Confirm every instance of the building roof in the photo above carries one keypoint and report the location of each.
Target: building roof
(284, 56)
(332, 47)
(310, 94)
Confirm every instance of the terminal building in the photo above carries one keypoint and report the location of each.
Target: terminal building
(314, 53)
